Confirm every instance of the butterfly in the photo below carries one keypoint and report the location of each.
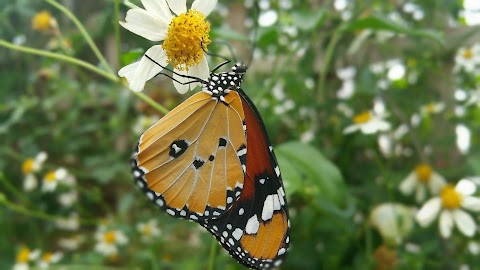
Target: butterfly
(210, 160)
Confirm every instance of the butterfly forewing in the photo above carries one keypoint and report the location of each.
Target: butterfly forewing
(190, 162)
(255, 230)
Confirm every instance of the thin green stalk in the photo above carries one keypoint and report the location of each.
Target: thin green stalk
(116, 28)
(61, 57)
(327, 61)
(33, 213)
(10, 187)
(213, 254)
(151, 102)
(84, 33)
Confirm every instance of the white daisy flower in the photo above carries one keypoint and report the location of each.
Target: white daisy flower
(49, 258)
(72, 223)
(449, 206)
(421, 179)
(368, 123)
(107, 242)
(67, 199)
(149, 230)
(432, 108)
(467, 58)
(393, 221)
(29, 167)
(71, 243)
(52, 178)
(185, 36)
(24, 256)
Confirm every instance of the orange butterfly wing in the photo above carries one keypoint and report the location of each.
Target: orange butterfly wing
(190, 162)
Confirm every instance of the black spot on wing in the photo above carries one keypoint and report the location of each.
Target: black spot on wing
(177, 148)
(197, 163)
(222, 142)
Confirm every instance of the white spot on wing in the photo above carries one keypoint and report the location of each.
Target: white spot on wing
(242, 152)
(252, 225)
(277, 170)
(267, 211)
(241, 211)
(276, 202)
(237, 234)
(281, 251)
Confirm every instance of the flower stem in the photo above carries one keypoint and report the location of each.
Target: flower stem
(213, 254)
(84, 33)
(116, 18)
(10, 187)
(32, 213)
(328, 59)
(58, 56)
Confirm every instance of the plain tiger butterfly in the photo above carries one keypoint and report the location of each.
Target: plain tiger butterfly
(210, 160)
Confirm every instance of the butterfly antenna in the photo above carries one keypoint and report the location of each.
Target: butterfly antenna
(193, 79)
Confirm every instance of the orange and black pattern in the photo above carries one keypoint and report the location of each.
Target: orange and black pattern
(210, 160)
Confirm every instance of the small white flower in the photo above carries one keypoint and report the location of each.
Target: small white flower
(449, 207)
(49, 258)
(149, 230)
(420, 179)
(393, 221)
(185, 36)
(67, 199)
(52, 178)
(24, 256)
(467, 58)
(347, 76)
(432, 108)
(143, 122)
(107, 242)
(367, 123)
(71, 243)
(29, 167)
(72, 223)
(474, 247)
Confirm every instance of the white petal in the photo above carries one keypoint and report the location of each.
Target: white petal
(446, 224)
(350, 129)
(408, 184)
(181, 88)
(178, 6)
(420, 194)
(144, 24)
(140, 72)
(464, 222)
(436, 183)
(471, 203)
(429, 211)
(200, 70)
(204, 6)
(159, 9)
(465, 187)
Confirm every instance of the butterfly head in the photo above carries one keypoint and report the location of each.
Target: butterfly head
(219, 84)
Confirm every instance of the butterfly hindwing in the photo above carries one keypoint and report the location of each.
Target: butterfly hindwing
(190, 161)
(255, 230)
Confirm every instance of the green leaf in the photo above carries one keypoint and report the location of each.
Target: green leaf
(304, 166)
(225, 33)
(380, 23)
(309, 19)
(131, 56)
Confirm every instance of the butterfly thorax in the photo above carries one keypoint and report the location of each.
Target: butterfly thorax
(220, 84)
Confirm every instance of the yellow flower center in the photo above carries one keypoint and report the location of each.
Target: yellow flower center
(27, 166)
(467, 54)
(430, 108)
(187, 39)
(362, 118)
(424, 173)
(109, 237)
(50, 176)
(41, 21)
(147, 230)
(47, 257)
(23, 255)
(451, 199)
